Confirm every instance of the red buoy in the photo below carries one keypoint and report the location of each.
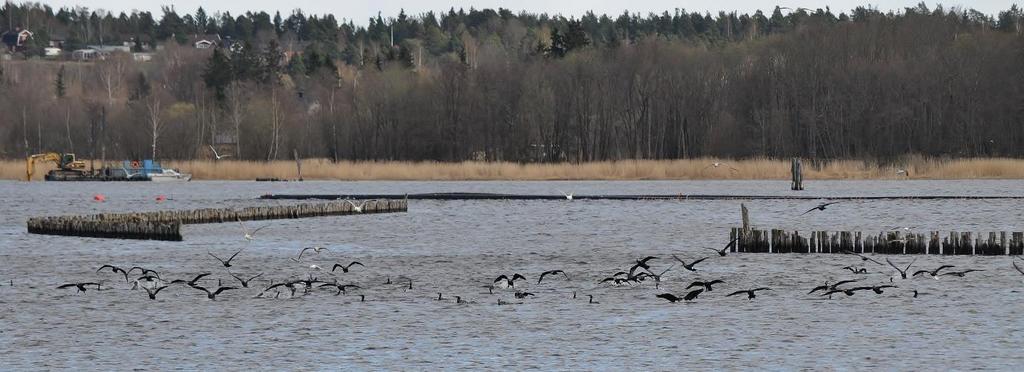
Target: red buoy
(160, 198)
(99, 198)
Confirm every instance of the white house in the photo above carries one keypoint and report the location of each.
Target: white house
(204, 44)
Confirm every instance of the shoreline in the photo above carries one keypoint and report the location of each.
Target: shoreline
(919, 168)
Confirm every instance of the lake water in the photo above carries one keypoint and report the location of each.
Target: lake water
(458, 247)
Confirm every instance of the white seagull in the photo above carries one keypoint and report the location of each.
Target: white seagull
(250, 236)
(316, 249)
(218, 156)
(129, 175)
(717, 164)
(357, 208)
(567, 196)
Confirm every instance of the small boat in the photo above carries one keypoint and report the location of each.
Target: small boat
(169, 175)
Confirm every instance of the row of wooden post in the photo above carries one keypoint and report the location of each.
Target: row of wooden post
(166, 225)
(890, 242)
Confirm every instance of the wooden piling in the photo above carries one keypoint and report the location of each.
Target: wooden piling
(166, 225)
(797, 173)
(888, 242)
(745, 216)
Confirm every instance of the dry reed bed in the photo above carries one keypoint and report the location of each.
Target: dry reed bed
(685, 169)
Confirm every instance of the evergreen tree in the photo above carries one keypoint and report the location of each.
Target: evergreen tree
(575, 37)
(271, 62)
(218, 74)
(558, 46)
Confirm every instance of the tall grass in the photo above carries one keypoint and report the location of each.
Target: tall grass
(685, 169)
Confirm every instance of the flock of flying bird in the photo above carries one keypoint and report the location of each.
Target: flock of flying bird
(638, 273)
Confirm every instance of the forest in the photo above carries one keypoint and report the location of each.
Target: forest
(493, 85)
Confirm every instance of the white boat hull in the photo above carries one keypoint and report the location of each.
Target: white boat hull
(170, 176)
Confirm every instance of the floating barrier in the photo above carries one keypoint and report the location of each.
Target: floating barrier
(890, 242)
(493, 196)
(166, 225)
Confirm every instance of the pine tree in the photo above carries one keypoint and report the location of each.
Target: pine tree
(558, 47)
(218, 73)
(575, 37)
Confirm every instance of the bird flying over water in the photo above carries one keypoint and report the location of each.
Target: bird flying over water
(152, 292)
(722, 252)
(316, 249)
(960, 273)
(643, 262)
(932, 273)
(144, 271)
(213, 295)
(356, 208)
(217, 156)
(707, 285)
(344, 268)
(245, 282)
(718, 165)
(877, 289)
(552, 272)
(903, 273)
(831, 287)
(510, 282)
(668, 296)
(80, 287)
(246, 234)
(820, 207)
(749, 292)
(228, 262)
(690, 266)
(190, 282)
(862, 257)
(856, 270)
(290, 285)
(115, 269)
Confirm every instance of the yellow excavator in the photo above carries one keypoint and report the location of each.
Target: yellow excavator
(66, 164)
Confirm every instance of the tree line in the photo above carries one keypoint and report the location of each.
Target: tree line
(493, 85)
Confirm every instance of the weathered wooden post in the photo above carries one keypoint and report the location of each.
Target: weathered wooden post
(298, 162)
(798, 177)
(746, 218)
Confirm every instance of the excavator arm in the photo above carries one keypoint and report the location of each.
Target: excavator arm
(62, 161)
(30, 166)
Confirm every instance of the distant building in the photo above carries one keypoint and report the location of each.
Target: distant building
(51, 52)
(16, 40)
(87, 54)
(142, 57)
(107, 49)
(204, 44)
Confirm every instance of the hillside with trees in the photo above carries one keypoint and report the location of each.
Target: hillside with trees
(495, 85)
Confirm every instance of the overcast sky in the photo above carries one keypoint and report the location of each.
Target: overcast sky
(360, 11)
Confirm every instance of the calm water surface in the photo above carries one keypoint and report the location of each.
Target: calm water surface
(457, 247)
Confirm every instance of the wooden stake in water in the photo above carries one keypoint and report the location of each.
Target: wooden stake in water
(298, 162)
(798, 177)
